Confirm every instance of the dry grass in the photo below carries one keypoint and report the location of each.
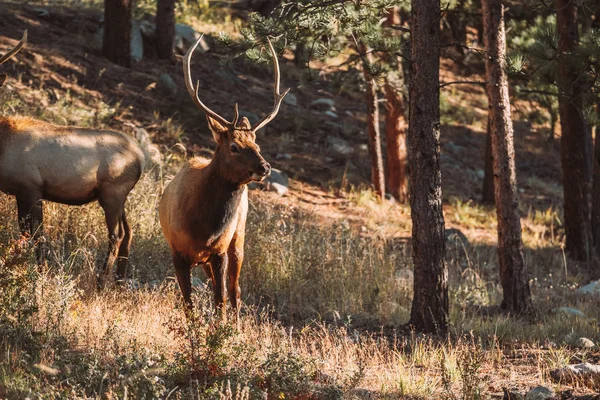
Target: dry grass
(320, 302)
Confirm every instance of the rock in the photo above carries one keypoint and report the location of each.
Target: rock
(253, 118)
(185, 36)
(480, 173)
(148, 28)
(277, 176)
(363, 147)
(331, 114)
(590, 288)
(132, 284)
(585, 343)
(339, 145)
(154, 284)
(277, 188)
(584, 372)
(456, 236)
(283, 156)
(290, 99)
(512, 394)
(570, 311)
(198, 284)
(323, 104)
(540, 393)
(167, 85)
(42, 12)
(389, 197)
(137, 43)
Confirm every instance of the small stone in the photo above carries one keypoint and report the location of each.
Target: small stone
(154, 284)
(137, 43)
(185, 36)
(540, 393)
(323, 104)
(590, 288)
(167, 85)
(585, 343)
(278, 176)
(133, 284)
(512, 394)
(454, 235)
(198, 283)
(390, 198)
(277, 188)
(363, 147)
(339, 146)
(290, 99)
(584, 372)
(331, 114)
(570, 311)
(480, 173)
(283, 156)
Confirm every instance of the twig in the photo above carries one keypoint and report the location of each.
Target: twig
(444, 84)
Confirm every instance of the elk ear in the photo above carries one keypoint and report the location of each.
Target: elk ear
(245, 124)
(216, 128)
(2, 79)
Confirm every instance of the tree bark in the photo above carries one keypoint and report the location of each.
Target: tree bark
(429, 311)
(165, 29)
(575, 141)
(513, 274)
(596, 191)
(377, 172)
(116, 43)
(487, 196)
(395, 125)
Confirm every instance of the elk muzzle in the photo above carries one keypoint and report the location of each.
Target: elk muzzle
(263, 170)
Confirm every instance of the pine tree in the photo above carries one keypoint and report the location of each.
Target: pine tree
(116, 43)
(429, 312)
(513, 276)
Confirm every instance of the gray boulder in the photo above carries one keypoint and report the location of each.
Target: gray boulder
(585, 343)
(540, 393)
(584, 372)
(167, 85)
(571, 312)
(339, 145)
(323, 104)
(137, 43)
(290, 99)
(185, 36)
(589, 289)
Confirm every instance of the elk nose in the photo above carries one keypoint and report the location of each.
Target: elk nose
(264, 169)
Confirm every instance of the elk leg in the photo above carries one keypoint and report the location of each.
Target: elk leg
(113, 213)
(184, 277)
(218, 263)
(30, 213)
(123, 256)
(235, 255)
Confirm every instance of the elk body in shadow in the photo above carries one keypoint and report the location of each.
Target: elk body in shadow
(69, 165)
(203, 209)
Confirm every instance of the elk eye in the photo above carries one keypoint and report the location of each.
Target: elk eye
(235, 149)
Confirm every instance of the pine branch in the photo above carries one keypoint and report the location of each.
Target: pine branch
(444, 84)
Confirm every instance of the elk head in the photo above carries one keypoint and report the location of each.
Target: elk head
(10, 54)
(237, 151)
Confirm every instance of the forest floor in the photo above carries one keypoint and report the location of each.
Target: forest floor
(327, 279)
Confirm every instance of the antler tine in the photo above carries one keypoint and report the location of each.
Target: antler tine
(14, 51)
(277, 96)
(236, 115)
(187, 76)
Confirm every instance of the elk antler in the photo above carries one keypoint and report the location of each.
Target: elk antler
(187, 76)
(278, 97)
(14, 51)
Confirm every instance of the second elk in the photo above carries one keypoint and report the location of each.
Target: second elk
(203, 209)
(69, 165)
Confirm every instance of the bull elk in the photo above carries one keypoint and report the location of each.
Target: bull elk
(203, 209)
(69, 165)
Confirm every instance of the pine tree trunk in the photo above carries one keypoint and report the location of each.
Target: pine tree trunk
(395, 125)
(575, 148)
(165, 29)
(116, 43)
(596, 191)
(377, 172)
(513, 274)
(487, 196)
(395, 136)
(429, 311)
